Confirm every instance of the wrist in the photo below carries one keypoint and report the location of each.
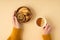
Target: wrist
(46, 33)
(17, 27)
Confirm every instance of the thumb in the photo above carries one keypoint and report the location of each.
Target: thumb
(15, 20)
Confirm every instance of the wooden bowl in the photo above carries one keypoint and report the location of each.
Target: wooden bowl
(23, 14)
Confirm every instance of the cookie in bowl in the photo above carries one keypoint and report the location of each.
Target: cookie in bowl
(23, 14)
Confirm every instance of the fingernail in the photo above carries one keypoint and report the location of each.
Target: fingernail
(43, 27)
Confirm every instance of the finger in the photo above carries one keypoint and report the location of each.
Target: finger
(14, 13)
(49, 29)
(15, 19)
(44, 27)
(47, 26)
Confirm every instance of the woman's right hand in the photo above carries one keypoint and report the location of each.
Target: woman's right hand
(15, 22)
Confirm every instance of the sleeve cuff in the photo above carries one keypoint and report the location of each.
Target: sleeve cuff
(46, 37)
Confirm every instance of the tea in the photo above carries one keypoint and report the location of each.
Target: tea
(40, 22)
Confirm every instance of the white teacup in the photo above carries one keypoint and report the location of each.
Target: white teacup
(41, 22)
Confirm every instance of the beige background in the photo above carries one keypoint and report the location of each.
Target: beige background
(45, 8)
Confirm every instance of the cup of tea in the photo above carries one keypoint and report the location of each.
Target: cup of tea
(41, 22)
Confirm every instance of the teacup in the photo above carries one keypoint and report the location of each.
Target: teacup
(41, 22)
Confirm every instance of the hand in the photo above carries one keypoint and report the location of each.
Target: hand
(46, 29)
(15, 22)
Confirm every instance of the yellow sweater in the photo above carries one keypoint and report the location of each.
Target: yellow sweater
(16, 35)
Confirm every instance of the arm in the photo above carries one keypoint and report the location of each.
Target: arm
(17, 30)
(46, 32)
(46, 37)
(16, 34)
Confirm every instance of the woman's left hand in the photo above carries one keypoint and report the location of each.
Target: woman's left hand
(46, 29)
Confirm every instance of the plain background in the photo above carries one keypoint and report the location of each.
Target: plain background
(45, 8)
